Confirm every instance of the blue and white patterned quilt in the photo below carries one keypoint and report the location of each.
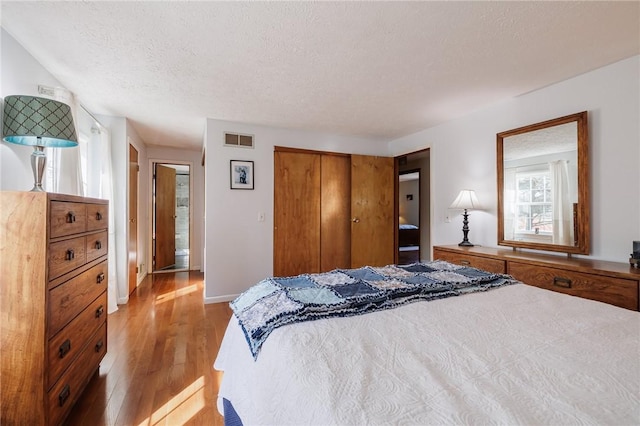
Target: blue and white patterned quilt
(275, 302)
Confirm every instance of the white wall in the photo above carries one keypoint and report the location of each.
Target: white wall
(21, 75)
(409, 210)
(239, 249)
(463, 154)
(159, 154)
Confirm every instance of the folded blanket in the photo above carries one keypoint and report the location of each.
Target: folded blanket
(275, 302)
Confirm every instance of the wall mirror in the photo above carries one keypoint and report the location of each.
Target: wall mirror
(543, 186)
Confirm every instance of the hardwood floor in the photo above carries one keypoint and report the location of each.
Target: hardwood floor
(159, 365)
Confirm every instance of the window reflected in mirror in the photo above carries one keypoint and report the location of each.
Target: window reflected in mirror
(542, 188)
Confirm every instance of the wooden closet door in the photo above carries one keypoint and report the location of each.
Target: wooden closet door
(372, 211)
(335, 215)
(296, 236)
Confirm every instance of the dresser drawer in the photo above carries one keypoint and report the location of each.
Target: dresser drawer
(65, 346)
(67, 390)
(491, 265)
(67, 218)
(97, 216)
(67, 255)
(97, 245)
(615, 291)
(69, 299)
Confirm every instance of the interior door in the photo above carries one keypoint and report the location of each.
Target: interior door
(372, 211)
(296, 236)
(133, 219)
(165, 217)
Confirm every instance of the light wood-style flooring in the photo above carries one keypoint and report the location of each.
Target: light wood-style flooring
(159, 366)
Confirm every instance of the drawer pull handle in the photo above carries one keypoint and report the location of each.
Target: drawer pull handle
(71, 217)
(99, 311)
(64, 395)
(465, 262)
(98, 216)
(562, 282)
(70, 255)
(98, 245)
(99, 346)
(65, 347)
(100, 278)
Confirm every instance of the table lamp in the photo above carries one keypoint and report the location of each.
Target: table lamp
(466, 200)
(41, 123)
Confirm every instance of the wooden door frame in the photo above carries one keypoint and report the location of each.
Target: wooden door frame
(153, 161)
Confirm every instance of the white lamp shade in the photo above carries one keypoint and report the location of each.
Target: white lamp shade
(466, 199)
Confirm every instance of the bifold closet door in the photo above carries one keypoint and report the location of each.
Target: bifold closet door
(296, 235)
(372, 211)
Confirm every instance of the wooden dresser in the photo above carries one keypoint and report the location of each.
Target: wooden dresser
(53, 299)
(610, 282)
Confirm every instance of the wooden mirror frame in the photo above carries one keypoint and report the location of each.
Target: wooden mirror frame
(582, 225)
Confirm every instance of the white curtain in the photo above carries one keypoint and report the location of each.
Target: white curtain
(562, 211)
(509, 203)
(65, 164)
(106, 192)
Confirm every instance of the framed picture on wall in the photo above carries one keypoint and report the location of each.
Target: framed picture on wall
(241, 174)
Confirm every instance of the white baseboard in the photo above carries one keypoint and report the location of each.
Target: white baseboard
(141, 278)
(219, 299)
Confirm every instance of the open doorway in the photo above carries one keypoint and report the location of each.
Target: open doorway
(171, 201)
(414, 210)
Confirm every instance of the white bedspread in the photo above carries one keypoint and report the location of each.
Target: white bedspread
(513, 355)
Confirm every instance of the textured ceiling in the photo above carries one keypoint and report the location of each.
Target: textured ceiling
(378, 70)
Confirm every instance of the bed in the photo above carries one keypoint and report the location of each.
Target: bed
(513, 354)
(408, 244)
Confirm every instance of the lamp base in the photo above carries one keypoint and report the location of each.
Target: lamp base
(38, 163)
(465, 230)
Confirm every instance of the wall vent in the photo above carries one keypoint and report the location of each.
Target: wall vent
(238, 140)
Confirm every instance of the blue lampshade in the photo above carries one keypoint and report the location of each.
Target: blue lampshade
(41, 123)
(33, 121)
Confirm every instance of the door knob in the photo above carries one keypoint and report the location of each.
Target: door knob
(355, 220)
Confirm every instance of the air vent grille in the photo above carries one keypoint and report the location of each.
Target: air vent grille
(238, 140)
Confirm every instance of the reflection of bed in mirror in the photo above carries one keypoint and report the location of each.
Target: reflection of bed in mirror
(408, 244)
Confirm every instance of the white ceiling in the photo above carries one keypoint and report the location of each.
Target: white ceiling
(377, 70)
